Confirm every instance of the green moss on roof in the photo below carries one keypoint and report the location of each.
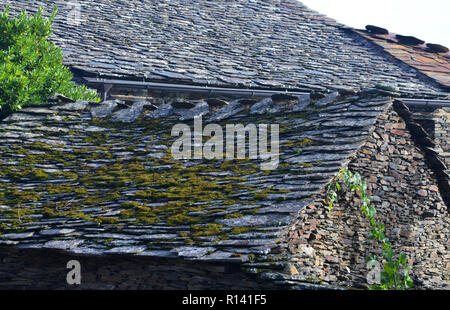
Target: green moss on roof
(118, 178)
(133, 185)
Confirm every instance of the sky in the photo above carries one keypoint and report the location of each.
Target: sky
(427, 20)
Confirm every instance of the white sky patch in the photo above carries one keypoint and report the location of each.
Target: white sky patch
(427, 20)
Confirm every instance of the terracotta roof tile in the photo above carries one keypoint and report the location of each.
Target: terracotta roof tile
(434, 65)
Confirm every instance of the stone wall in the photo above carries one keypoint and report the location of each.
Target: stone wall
(331, 247)
(46, 269)
(437, 123)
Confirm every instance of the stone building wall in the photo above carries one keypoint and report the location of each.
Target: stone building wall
(442, 133)
(46, 269)
(437, 123)
(331, 247)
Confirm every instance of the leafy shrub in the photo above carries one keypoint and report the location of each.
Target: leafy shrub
(31, 68)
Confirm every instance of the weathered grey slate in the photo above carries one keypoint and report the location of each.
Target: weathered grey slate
(103, 187)
(282, 44)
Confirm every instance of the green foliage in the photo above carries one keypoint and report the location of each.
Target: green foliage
(31, 68)
(391, 277)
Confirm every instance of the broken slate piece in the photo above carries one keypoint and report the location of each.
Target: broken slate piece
(262, 106)
(328, 99)
(105, 109)
(229, 110)
(200, 109)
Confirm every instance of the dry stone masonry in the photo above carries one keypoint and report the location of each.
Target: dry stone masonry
(332, 246)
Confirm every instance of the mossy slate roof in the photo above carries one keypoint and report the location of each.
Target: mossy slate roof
(99, 178)
(267, 43)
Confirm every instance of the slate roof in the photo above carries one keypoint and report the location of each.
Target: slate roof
(250, 43)
(431, 60)
(98, 178)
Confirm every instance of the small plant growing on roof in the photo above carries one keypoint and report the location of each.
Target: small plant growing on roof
(31, 68)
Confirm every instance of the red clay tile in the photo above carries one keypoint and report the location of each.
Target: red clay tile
(434, 65)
